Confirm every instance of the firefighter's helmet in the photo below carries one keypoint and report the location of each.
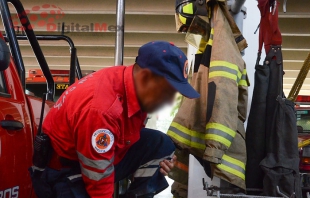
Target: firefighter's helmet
(185, 9)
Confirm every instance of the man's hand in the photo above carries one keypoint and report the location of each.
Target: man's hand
(167, 165)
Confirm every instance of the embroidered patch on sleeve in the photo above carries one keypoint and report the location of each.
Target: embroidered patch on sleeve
(102, 140)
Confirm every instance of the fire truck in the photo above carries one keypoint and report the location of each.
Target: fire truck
(303, 125)
(20, 113)
(36, 82)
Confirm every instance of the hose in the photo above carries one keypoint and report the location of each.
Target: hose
(300, 80)
(304, 143)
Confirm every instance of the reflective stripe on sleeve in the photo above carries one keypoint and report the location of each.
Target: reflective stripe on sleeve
(232, 166)
(72, 177)
(212, 30)
(98, 164)
(211, 35)
(210, 41)
(149, 169)
(155, 162)
(224, 69)
(243, 81)
(220, 133)
(145, 172)
(189, 137)
(95, 175)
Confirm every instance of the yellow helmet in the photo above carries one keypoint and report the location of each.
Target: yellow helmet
(186, 10)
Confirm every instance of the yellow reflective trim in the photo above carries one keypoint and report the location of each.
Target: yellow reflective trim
(186, 141)
(202, 45)
(188, 131)
(226, 64)
(182, 19)
(239, 75)
(222, 128)
(218, 139)
(243, 83)
(222, 74)
(234, 161)
(210, 42)
(188, 9)
(231, 170)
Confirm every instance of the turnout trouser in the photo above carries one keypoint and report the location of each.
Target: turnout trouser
(141, 161)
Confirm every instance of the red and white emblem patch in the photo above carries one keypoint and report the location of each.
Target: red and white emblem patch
(102, 140)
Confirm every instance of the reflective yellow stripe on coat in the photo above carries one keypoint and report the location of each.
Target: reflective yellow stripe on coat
(202, 44)
(186, 136)
(232, 166)
(220, 133)
(210, 41)
(225, 69)
(243, 81)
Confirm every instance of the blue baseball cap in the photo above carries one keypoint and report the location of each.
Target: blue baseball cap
(167, 60)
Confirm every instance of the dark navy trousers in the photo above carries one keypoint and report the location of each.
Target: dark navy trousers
(140, 162)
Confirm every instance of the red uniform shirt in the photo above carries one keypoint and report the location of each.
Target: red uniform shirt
(95, 121)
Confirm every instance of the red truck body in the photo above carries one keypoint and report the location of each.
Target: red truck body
(16, 146)
(20, 113)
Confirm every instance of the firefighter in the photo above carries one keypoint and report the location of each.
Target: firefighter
(96, 128)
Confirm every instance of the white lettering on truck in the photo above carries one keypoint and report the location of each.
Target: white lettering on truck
(10, 192)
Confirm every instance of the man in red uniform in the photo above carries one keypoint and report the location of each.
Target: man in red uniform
(96, 128)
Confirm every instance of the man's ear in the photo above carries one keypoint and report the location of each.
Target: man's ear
(146, 76)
